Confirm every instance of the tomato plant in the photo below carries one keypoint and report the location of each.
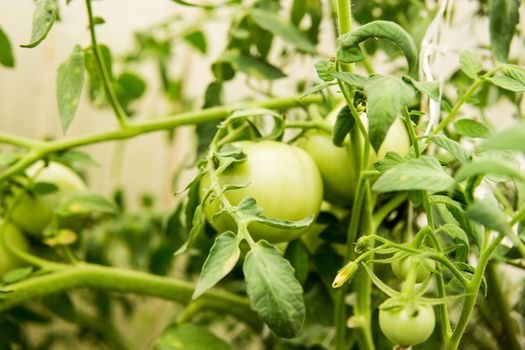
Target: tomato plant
(322, 175)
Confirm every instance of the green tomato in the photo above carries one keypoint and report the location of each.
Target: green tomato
(401, 267)
(284, 181)
(337, 166)
(33, 213)
(407, 325)
(17, 240)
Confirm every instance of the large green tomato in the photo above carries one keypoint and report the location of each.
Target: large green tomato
(284, 181)
(33, 213)
(337, 166)
(407, 325)
(17, 240)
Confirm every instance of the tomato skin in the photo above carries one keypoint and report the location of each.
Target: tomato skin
(401, 267)
(17, 239)
(337, 167)
(282, 178)
(33, 214)
(407, 325)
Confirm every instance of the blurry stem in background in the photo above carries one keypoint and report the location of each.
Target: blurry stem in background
(106, 78)
(114, 279)
(40, 149)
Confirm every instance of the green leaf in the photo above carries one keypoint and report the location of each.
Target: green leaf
(6, 54)
(297, 255)
(275, 294)
(509, 139)
(455, 232)
(452, 146)
(44, 16)
(471, 128)
(390, 161)
(286, 31)
(70, 79)
(255, 67)
(96, 90)
(424, 173)
(221, 260)
(17, 275)
(85, 204)
(507, 83)
(382, 30)
(429, 88)
(316, 88)
(44, 188)
(387, 96)
(325, 69)
(189, 337)
(350, 55)
(490, 165)
(249, 211)
(351, 79)
(503, 18)
(197, 39)
(344, 123)
(470, 64)
(488, 213)
(195, 230)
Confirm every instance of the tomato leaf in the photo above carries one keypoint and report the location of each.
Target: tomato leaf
(471, 128)
(488, 213)
(325, 69)
(430, 88)
(221, 260)
(44, 15)
(390, 161)
(503, 18)
(344, 123)
(254, 67)
(316, 88)
(507, 83)
(351, 79)
(249, 211)
(452, 146)
(17, 274)
(490, 165)
(197, 39)
(383, 30)
(387, 95)
(470, 64)
(297, 254)
(510, 139)
(286, 31)
(85, 204)
(196, 228)
(70, 79)
(6, 53)
(189, 337)
(423, 173)
(275, 294)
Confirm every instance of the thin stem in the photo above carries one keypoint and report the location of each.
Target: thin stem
(126, 281)
(106, 79)
(140, 128)
(17, 140)
(388, 207)
(473, 88)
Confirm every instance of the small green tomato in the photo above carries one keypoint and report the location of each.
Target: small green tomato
(408, 324)
(17, 240)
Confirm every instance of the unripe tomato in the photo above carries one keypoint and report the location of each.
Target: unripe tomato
(33, 213)
(408, 324)
(17, 240)
(337, 166)
(284, 181)
(401, 267)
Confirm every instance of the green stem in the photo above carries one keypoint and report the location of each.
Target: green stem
(126, 281)
(106, 79)
(140, 128)
(506, 337)
(472, 293)
(17, 140)
(388, 207)
(473, 88)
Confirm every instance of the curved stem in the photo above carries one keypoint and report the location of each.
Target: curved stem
(126, 281)
(139, 128)
(106, 78)
(17, 140)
